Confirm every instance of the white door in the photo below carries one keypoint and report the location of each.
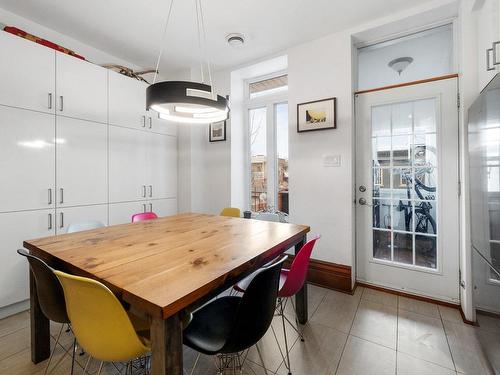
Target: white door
(16, 228)
(127, 101)
(82, 152)
(128, 150)
(407, 189)
(82, 89)
(121, 213)
(162, 166)
(27, 74)
(72, 215)
(27, 159)
(163, 207)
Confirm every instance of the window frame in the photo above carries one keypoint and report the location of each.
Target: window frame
(270, 102)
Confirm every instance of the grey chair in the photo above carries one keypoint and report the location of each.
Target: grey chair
(84, 225)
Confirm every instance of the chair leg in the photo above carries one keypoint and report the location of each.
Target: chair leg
(53, 351)
(100, 368)
(195, 363)
(296, 326)
(86, 365)
(286, 342)
(261, 359)
(73, 356)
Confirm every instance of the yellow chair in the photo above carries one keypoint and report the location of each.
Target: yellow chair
(100, 323)
(231, 211)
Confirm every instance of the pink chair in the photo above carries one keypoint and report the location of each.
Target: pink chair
(291, 283)
(144, 216)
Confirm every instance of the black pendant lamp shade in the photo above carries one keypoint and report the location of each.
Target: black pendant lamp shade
(187, 102)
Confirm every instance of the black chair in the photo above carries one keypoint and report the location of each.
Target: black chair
(51, 299)
(230, 325)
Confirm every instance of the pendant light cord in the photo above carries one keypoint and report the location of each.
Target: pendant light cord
(162, 48)
(203, 32)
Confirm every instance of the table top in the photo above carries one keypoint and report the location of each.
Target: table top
(164, 265)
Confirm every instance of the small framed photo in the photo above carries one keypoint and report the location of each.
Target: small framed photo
(217, 132)
(317, 115)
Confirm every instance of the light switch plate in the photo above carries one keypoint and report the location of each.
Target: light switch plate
(331, 160)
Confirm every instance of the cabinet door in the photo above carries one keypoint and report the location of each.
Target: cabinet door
(163, 207)
(127, 164)
(82, 153)
(487, 34)
(27, 159)
(162, 166)
(73, 215)
(81, 89)
(127, 101)
(16, 228)
(121, 213)
(27, 73)
(158, 125)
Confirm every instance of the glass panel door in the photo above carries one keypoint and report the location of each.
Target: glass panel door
(258, 155)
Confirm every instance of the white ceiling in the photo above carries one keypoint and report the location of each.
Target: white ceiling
(131, 30)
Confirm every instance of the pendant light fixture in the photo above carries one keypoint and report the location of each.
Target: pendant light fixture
(184, 101)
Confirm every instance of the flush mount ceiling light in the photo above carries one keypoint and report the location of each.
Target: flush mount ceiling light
(184, 101)
(235, 39)
(400, 64)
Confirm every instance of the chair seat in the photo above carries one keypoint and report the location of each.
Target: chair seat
(211, 325)
(243, 284)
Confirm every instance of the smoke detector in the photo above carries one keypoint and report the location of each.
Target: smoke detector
(235, 39)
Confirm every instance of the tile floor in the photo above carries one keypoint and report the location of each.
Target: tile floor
(370, 332)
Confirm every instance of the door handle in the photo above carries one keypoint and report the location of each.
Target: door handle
(50, 100)
(150, 123)
(61, 193)
(61, 216)
(495, 62)
(144, 191)
(489, 52)
(151, 207)
(150, 191)
(362, 202)
(144, 207)
(362, 188)
(49, 227)
(61, 103)
(143, 121)
(50, 196)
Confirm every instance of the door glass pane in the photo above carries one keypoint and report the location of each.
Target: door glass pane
(258, 155)
(282, 151)
(406, 202)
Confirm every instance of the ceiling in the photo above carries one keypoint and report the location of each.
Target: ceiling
(131, 30)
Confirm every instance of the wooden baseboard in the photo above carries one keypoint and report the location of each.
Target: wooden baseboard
(328, 275)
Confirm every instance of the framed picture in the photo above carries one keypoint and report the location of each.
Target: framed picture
(317, 115)
(217, 132)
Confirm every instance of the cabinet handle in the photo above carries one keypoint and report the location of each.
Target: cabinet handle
(61, 103)
(144, 207)
(150, 123)
(150, 191)
(61, 215)
(144, 191)
(495, 62)
(489, 52)
(151, 207)
(61, 191)
(50, 196)
(143, 121)
(50, 222)
(50, 100)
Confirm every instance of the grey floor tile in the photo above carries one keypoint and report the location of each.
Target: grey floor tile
(419, 307)
(380, 297)
(363, 357)
(377, 323)
(423, 337)
(408, 365)
(315, 295)
(488, 323)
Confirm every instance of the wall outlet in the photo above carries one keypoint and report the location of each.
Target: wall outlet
(331, 161)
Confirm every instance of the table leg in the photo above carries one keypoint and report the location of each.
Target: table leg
(166, 346)
(40, 327)
(301, 296)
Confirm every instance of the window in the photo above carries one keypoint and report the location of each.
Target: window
(268, 144)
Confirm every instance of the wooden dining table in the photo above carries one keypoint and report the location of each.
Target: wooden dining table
(163, 269)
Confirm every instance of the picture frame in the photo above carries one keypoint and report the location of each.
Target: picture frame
(217, 132)
(317, 115)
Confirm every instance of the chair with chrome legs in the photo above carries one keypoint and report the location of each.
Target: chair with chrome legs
(291, 283)
(231, 212)
(229, 326)
(100, 323)
(51, 299)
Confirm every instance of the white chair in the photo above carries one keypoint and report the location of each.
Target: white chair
(84, 225)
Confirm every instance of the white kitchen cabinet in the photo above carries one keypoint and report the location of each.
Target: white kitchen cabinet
(82, 89)
(128, 152)
(127, 101)
(27, 74)
(81, 162)
(67, 216)
(163, 207)
(488, 32)
(121, 213)
(27, 159)
(16, 228)
(162, 166)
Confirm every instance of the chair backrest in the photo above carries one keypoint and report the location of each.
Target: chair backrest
(48, 288)
(268, 216)
(256, 310)
(99, 321)
(84, 225)
(143, 216)
(298, 270)
(231, 211)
